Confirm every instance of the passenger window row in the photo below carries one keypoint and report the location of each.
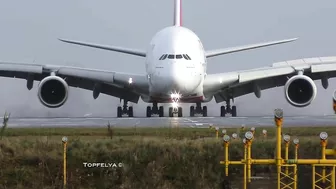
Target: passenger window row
(173, 56)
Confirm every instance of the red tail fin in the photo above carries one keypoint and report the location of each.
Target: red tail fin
(178, 13)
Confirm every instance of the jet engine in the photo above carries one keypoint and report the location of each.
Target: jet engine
(300, 90)
(53, 91)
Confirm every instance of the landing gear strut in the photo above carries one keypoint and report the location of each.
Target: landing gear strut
(228, 109)
(125, 110)
(155, 110)
(198, 110)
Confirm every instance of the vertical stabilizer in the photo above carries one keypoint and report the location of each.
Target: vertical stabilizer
(178, 13)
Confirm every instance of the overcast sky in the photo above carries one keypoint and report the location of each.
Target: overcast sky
(29, 32)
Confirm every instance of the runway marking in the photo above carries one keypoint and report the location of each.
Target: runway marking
(238, 117)
(198, 123)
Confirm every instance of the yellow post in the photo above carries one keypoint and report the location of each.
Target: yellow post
(226, 139)
(245, 167)
(249, 139)
(217, 132)
(264, 133)
(286, 140)
(64, 141)
(323, 137)
(296, 142)
(278, 118)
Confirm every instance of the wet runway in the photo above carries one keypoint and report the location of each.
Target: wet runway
(197, 122)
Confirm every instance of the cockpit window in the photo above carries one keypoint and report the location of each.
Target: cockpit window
(188, 57)
(171, 56)
(163, 57)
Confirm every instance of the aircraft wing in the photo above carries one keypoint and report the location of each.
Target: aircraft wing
(216, 52)
(135, 52)
(110, 83)
(234, 84)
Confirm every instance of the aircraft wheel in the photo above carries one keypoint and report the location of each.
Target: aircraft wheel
(149, 111)
(161, 112)
(179, 113)
(192, 111)
(222, 111)
(205, 111)
(130, 111)
(234, 111)
(119, 111)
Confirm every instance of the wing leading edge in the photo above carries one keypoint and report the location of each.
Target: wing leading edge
(135, 52)
(216, 52)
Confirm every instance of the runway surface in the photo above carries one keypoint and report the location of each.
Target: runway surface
(197, 122)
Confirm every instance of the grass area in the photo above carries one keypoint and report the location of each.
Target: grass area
(152, 157)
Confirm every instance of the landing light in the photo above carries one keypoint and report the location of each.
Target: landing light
(224, 131)
(175, 96)
(296, 141)
(64, 139)
(226, 138)
(234, 135)
(264, 131)
(323, 136)
(286, 138)
(248, 135)
(175, 105)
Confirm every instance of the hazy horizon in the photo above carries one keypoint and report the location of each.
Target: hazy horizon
(30, 30)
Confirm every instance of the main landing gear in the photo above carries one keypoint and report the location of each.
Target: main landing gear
(155, 110)
(228, 109)
(198, 110)
(125, 110)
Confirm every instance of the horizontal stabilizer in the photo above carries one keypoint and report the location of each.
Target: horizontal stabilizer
(217, 52)
(110, 48)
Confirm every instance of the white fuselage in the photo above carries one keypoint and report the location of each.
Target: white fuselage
(175, 63)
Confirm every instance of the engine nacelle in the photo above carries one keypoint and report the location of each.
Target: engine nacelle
(53, 91)
(300, 90)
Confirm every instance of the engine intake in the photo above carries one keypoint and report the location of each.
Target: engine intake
(53, 91)
(300, 90)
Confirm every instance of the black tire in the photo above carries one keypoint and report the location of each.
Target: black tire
(192, 111)
(222, 111)
(179, 112)
(149, 111)
(161, 112)
(205, 111)
(234, 111)
(171, 112)
(130, 111)
(119, 111)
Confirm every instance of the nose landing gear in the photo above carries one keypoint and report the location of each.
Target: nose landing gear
(228, 109)
(175, 110)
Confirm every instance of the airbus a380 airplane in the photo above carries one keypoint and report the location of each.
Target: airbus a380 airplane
(176, 73)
